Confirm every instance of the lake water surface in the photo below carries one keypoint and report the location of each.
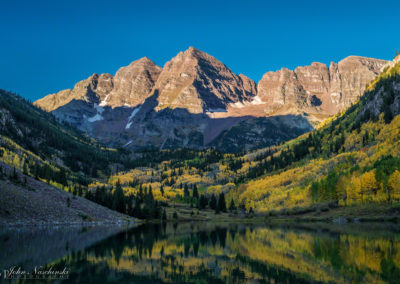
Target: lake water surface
(208, 253)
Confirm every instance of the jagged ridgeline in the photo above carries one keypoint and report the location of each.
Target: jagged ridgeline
(33, 141)
(196, 101)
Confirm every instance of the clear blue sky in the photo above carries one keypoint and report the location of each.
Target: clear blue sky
(47, 46)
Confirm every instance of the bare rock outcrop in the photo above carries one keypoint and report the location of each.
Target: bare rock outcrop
(133, 83)
(130, 86)
(317, 88)
(198, 82)
(92, 90)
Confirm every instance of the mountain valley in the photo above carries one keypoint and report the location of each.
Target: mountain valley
(348, 161)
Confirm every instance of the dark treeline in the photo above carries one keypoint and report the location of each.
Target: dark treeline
(183, 157)
(141, 205)
(214, 202)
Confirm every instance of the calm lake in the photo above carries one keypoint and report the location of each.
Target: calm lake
(208, 253)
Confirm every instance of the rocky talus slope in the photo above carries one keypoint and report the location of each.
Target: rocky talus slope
(33, 202)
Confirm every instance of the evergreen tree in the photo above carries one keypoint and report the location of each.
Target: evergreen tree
(25, 168)
(186, 194)
(157, 212)
(62, 177)
(89, 195)
(213, 202)
(195, 192)
(37, 172)
(140, 194)
(14, 175)
(118, 198)
(221, 202)
(203, 201)
(232, 206)
(164, 215)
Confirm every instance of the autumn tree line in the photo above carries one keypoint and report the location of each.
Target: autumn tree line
(379, 183)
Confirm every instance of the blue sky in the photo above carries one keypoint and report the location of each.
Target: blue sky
(47, 46)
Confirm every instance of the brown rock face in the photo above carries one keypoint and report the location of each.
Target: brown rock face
(91, 90)
(317, 88)
(281, 89)
(198, 82)
(131, 85)
(350, 76)
(249, 86)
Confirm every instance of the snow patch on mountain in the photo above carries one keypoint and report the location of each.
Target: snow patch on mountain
(129, 142)
(134, 112)
(255, 101)
(99, 109)
(97, 117)
(104, 102)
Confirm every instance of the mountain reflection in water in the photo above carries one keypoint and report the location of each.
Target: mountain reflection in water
(220, 253)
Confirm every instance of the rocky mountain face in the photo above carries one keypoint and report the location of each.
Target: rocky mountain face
(133, 84)
(198, 82)
(317, 89)
(195, 101)
(130, 86)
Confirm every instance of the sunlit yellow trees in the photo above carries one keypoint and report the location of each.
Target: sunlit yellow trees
(394, 185)
(369, 185)
(353, 191)
(341, 189)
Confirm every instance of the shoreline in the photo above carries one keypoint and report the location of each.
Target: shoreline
(129, 223)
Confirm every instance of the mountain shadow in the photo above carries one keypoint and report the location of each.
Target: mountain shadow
(143, 127)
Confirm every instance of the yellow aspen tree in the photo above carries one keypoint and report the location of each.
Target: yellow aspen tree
(341, 190)
(358, 190)
(16, 161)
(394, 185)
(369, 185)
(354, 191)
(380, 195)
